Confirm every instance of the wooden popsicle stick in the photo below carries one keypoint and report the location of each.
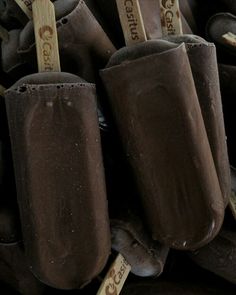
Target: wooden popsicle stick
(2, 90)
(131, 21)
(46, 36)
(4, 35)
(230, 38)
(170, 17)
(26, 6)
(116, 277)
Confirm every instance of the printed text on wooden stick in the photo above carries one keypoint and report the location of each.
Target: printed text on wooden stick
(116, 277)
(26, 6)
(131, 21)
(46, 36)
(170, 17)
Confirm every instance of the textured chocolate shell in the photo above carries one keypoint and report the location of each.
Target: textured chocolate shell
(228, 90)
(146, 257)
(159, 120)
(60, 179)
(203, 62)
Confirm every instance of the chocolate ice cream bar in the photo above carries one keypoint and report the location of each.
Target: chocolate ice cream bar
(59, 175)
(58, 166)
(160, 123)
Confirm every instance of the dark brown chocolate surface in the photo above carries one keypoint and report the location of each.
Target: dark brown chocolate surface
(11, 62)
(146, 257)
(187, 9)
(218, 25)
(15, 272)
(233, 179)
(9, 216)
(159, 119)
(60, 178)
(203, 62)
(82, 38)
(228, 90)
(84, 46)
(219, 256)
(11, 14)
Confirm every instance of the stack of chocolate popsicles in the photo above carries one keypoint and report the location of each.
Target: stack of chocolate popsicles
(156, 178)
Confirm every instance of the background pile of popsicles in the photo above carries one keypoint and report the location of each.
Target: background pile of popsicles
(117, 138)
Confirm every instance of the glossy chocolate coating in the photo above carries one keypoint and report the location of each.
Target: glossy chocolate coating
(159, 120)
(60, 179)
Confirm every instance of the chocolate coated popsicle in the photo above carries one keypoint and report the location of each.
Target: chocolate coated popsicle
(203, 62)
(59, 172)
(159, 120)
